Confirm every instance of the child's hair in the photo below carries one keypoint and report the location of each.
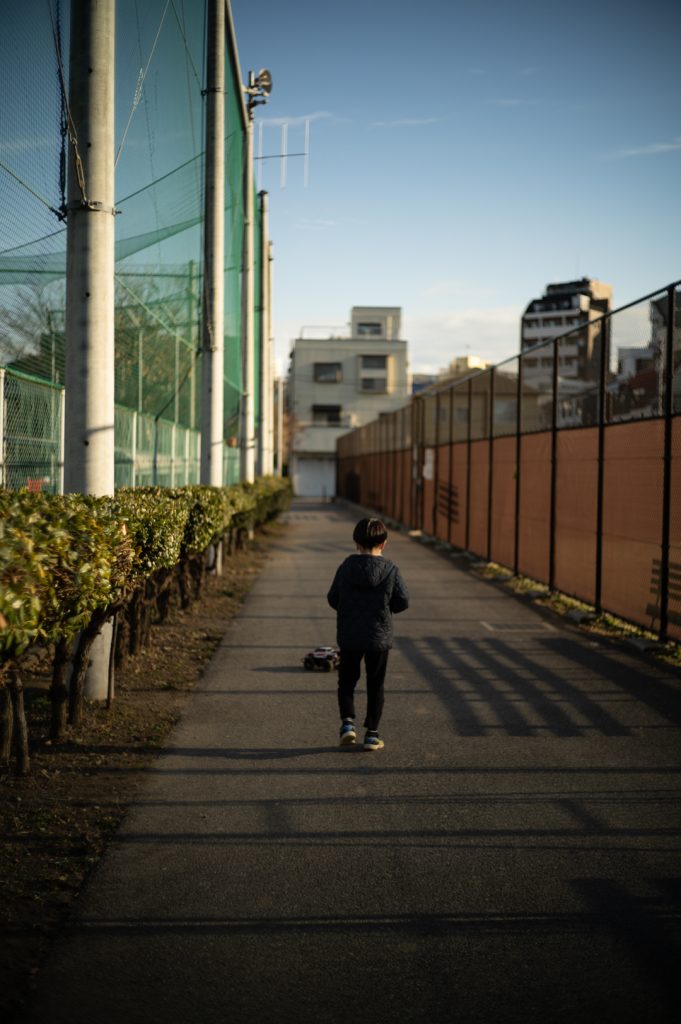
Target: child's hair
(370, 533)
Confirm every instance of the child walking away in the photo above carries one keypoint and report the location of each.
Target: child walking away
(366, 591)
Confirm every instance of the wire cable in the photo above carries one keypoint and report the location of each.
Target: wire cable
(31, 190)
(72, 134)
(140, 84)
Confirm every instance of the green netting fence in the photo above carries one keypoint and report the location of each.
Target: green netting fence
(160, 50)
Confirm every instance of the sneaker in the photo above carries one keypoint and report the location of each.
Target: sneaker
(347, 734)
(372, 741)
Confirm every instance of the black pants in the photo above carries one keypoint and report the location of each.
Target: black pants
(376, 663)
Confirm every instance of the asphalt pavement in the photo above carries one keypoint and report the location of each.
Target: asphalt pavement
(511, 855)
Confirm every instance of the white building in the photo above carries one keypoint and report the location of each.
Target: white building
(561, 308)
(339, 383)
(569, 306)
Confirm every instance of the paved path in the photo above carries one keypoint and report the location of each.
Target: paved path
(512, 855)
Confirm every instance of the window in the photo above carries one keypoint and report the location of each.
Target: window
(370, 330)
(328, 373)
(375, 384)
(326, 415)
(374, 362)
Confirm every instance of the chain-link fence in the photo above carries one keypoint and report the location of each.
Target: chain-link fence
(147, 450)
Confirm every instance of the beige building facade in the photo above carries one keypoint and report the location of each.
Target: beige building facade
(560, 309)
(338, 383)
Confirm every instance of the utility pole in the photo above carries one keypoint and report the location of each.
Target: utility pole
(89, 403)
(212, 356)
(280, 426)
(265, 419)
(269, 465)
(247, 295)
(191, 340)
(89, 454)
(257, 90)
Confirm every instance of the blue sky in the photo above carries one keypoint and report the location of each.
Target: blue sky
(464, 154)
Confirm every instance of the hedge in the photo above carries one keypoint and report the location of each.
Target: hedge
(70, 562)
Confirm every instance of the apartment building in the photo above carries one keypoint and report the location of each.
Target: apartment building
(338, 383)
(561, 308)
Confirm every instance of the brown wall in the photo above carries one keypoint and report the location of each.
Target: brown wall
(479, 503)
(675, 535)
(632, 519)
(576, 512)
(443, 498)
(457, 534)
(632, 508)
(534, 528)
(503, 500)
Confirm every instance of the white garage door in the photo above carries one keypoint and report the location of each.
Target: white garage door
(314, 478)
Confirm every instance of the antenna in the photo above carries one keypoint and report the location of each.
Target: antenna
(283, 155)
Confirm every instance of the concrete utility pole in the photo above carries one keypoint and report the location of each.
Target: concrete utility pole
(212, 356)
(89, 402)
(265, 418)
(89, 413)
(270, 362)
(258, 89)
(280, 426)
(247, 293)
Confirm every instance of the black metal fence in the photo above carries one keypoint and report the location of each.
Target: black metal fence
(562, 463)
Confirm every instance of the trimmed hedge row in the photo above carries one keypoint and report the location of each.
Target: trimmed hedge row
(70, 562)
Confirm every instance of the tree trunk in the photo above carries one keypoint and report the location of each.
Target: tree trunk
(6, 723)
(150, 598)
(59, 693)
(164, 594)
(185, 584)
(20, 727)
(81, 661)
(197, 568)
(122, 645)
(135, 619)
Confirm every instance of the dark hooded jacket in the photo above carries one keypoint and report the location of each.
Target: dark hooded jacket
(366, 591)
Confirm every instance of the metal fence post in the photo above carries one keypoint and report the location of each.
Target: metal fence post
(667, 465)
(603, 369)
(490, 465)
(436, 463)
(468, 465)
(450, 475)
(518, 456)
(554, 448)
(133, 452)
(62, 439)
(393, 465)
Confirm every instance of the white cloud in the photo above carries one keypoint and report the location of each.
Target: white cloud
(435, 338)
(652, 150)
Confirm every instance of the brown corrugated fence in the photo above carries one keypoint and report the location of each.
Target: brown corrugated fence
(570, 475)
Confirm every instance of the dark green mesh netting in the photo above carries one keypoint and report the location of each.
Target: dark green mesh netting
(159, 261)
